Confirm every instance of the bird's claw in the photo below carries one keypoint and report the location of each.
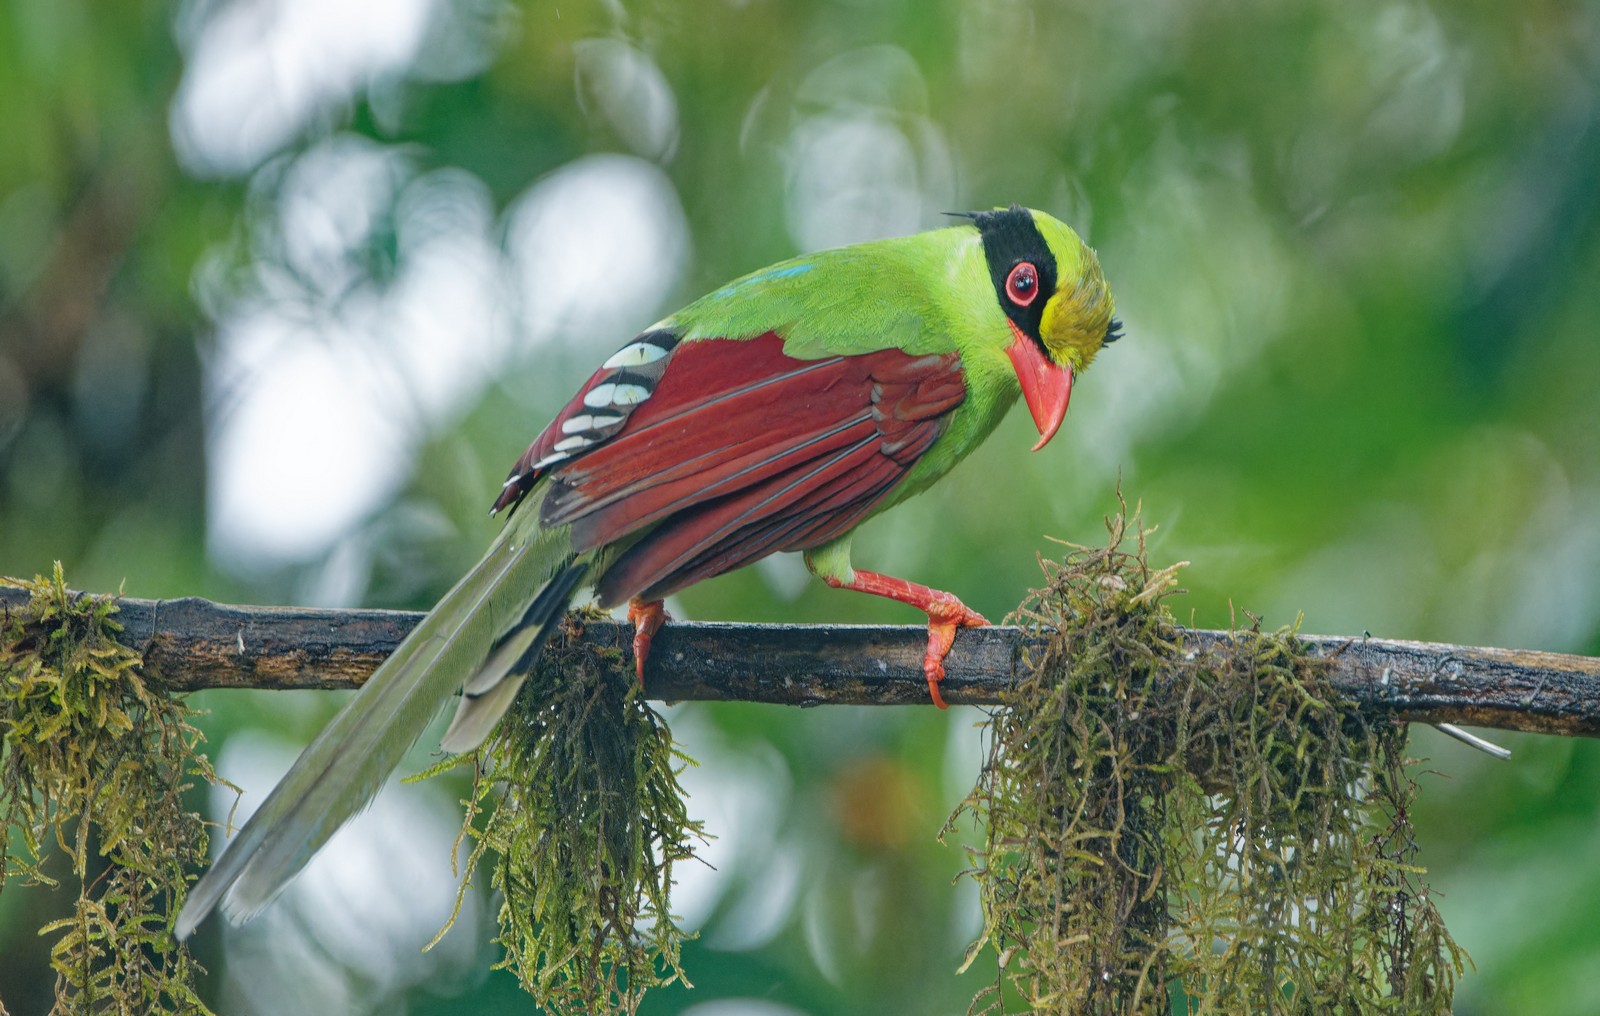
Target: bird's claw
(945, 615)
(647, 617)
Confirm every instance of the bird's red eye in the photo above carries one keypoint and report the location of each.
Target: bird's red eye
(1022, 285)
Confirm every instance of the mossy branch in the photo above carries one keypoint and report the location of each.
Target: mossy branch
(199, 644)
(1166, 830)
(95, 763)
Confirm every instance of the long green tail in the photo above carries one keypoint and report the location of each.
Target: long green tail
(342, 770)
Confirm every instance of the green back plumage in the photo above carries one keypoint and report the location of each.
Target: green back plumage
(902, 293)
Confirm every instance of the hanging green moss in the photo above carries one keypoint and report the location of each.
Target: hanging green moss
(586, 824)
(1167, 831)
(94, 762)
(1161, 831)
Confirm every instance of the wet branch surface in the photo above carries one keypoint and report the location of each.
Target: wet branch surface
(196, 644)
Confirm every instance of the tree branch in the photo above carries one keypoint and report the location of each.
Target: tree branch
(196, 644)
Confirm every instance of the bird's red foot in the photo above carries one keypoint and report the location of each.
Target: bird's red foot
(647, 617)
(945, 613)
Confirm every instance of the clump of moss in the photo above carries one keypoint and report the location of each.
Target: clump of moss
(1169, 828)
(587, 823)
(94, 762)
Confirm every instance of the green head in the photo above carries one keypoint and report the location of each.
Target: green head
(1054, 296)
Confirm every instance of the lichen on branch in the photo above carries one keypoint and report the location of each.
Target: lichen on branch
(1168, 831)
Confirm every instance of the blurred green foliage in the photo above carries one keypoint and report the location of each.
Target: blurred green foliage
(1354, 245)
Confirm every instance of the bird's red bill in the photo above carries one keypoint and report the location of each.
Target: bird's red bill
(1046, 386)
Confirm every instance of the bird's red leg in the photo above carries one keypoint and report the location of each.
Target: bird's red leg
(945, 614)
(647, 617)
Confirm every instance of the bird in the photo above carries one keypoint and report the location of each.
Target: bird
(777, 413)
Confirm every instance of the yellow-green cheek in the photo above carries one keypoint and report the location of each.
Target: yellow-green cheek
(1074, 322)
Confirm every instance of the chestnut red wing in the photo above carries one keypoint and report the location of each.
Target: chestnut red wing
(739, 451)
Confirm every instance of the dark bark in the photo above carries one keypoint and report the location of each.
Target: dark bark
(195, 644)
